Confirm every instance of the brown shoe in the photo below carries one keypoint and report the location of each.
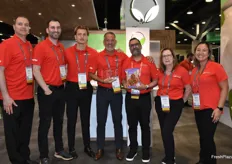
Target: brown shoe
(99, 154)
(119, 154)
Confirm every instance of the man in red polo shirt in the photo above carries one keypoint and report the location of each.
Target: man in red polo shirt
(78, 88)
(50, 72)
(108, 66)
(16, 96)
(139, 77)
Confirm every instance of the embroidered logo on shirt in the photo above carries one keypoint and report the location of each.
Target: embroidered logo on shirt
(177, 76)
(34, 60)
(206, 73)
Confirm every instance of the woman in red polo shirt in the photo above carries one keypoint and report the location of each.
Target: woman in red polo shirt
(210, 88)
(169, 102)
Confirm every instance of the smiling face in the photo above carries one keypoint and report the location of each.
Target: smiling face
(202, 52)
(135, 47)
(110, 42)
(21, 26)
(54, 30)
(167, 57)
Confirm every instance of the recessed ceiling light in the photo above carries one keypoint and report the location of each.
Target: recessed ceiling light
(178, 42)
(39, 13)
(176, 21)
(40, 33)
(79, 18)
(189, 12)
(181, 32)
(217, 28)
(73, 5)
(1, 21)
(220, 15)
(185, 39)
(208, 0)
(202, 22)
(1, 34)
(167, 27)
(193, 28)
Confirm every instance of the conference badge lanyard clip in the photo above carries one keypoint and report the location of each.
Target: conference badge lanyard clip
(63, 72)
(82, 78)
(116, 83)
(28, 69)
(165, 102)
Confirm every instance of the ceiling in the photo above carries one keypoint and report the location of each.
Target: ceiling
(94, 19)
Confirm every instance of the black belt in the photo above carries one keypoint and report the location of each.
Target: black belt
(56, 87)
(106, 89)
(141, 94)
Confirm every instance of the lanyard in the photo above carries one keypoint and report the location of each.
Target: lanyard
(108, 64)
(196, 81)
(140, 68)
(169, 82)
(78, 65)
(57, 57)
(21, 48)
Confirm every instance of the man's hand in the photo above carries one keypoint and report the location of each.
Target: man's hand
(47, 91)
(142, 87)
(7, 104)
(150, 58)
(119, 50)
(216, 115)
(109, 80)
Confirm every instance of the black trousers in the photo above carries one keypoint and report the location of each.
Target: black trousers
(17, 128)
(50, 107)
(167, 123)
(206, 129)
(106, 97)
(76, 98)
(138, 111)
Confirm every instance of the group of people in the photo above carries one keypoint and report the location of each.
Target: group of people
(63, 76)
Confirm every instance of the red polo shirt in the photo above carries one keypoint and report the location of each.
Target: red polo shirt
(148, 71)
(187, 65)
(102, 68)
(73, 67)
(49, 57)
(179, 79)
(13, 53)
(206, 84)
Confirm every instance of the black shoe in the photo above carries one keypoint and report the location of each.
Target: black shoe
(73, 154)
(44, 161)
(89, 151)
(165, 161)
(146, 156)
(31, 162)
(131, 155)
(63, 155)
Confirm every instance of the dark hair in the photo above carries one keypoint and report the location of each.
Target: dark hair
(135, 39)
(52, 20)
(190, 54)
(162, 67)
(20, 16)
(196, 62)
(111, 33)
(81, 27)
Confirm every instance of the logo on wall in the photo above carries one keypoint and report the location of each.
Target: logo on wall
(148, 17)
(140, 36)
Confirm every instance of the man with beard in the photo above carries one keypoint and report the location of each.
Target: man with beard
(16, 96)
(50, 73)
(138, 98)
(78, 88)
(108, 67)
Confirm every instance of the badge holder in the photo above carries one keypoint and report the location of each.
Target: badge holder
(116, 85)
(196, 101)
(63, 72)
(29, 74)
(82, 80)
(135, 93)
(165, 103)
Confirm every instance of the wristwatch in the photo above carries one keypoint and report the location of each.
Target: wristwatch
(147, 86)
(220, 108)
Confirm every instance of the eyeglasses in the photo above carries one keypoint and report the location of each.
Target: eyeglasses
(167, 56)
(134, 45)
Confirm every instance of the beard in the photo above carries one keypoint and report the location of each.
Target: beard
(136, 52)
(54, 35)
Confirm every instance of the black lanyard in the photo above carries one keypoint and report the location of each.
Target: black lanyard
(78, 64)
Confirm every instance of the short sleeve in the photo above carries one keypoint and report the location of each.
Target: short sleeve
(185, 76)
(154, 72)
(38, 55)
(220, 73)
(5, 56)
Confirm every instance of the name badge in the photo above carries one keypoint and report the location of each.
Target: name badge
(196, 101)
(135, 93)
(116, 85)
(63, 72)
(165, 103)
(82, 80)
(190, 72)
(29, 74)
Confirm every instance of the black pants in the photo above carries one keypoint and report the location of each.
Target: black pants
(138, 111)
(51, 106)
(78, 98)
(206, 129)
(106, 97)
(167, 123)
(17, 128)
